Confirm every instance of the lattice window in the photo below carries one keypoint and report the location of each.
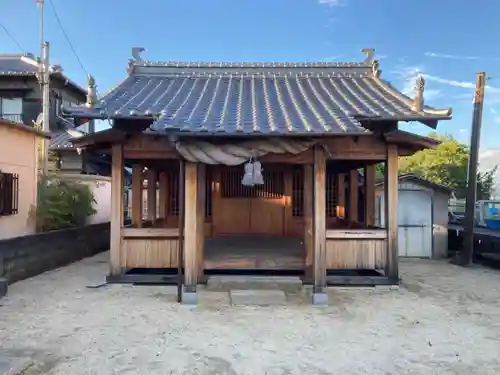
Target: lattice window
(173, 189)
(9, 193)
(231, 186)
(208, 192)
(298, 192)
(331, 193)
(173, 192)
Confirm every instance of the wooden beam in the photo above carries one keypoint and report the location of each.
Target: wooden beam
(151, 177)
(308, 220)
(117, 181)
(391, 212)
(353, 195)
(319, 206)
(191, 224)
(366, 147)
(137, 193)
(200, 216)
(341, 195)
(163, 195)
(149, 154)
(305, 157)
(369, 195)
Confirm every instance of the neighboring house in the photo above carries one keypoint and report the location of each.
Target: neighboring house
(422, 216)
(21, 102)
(18, 177)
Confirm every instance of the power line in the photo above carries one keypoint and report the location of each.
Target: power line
(12, 37)
(67, 37)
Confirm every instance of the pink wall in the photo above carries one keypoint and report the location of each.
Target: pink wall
(18, 154)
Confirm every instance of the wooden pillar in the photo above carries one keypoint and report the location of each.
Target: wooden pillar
(391, 212)
(151, 178)
(163, 196)
(369, 195)
(319, 226)
(192, 226)
(341, 195)
(117, 182)
(287, 200)
(308, 220)
(137, 195)
(353, 196)
(200, 217)
(216, 199)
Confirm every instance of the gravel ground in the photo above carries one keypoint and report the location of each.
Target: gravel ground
(443, 320)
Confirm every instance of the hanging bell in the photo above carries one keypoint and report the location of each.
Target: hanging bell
(258, 179)
(248, 175)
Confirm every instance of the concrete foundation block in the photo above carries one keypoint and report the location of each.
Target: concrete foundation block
(3, 287)
(257, 297)
(320, 298)
(189, 295)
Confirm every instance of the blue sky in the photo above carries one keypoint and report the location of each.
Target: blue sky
(447, 42)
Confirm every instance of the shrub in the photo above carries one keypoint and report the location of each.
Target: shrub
(61, 204)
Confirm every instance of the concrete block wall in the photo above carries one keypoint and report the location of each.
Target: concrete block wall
(27, 256)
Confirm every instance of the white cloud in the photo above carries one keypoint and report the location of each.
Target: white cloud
(463, 84)
(431, 94)
(493, 111)
(448, 56)
(497, 119)
(468, 96)
(408, 75)
(449, 82)
(331, 3)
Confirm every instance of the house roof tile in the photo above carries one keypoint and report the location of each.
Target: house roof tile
(27, 65)
(257, 98)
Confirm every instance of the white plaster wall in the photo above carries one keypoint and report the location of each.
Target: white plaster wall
(101, 188)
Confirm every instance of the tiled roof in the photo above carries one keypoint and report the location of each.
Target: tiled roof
(62, 140)
(257, 98)
(27, 65)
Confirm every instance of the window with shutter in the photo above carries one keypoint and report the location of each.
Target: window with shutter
(9, 193)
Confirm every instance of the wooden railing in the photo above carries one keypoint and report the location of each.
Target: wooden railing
(356, 249)
(149, 247)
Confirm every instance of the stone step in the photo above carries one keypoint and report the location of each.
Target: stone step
(288, 284)
(257, 297)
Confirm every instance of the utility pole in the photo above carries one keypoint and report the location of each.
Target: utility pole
(467, 252)
(45, 105)
(40, 4)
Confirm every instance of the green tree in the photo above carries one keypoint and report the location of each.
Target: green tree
(447, 165)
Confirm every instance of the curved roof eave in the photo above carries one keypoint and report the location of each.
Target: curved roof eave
(444, 114)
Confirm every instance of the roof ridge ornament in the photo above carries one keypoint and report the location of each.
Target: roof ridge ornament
(136, 59)
(91, 91)
(136, 54)
(375, 68)
(418, 102)
(369, 55)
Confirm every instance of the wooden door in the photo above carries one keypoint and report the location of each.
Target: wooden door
(239, 209)
(268, 203)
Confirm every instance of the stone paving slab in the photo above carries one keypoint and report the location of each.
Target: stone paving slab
(14, 365)
(257, 297)
(227, 283)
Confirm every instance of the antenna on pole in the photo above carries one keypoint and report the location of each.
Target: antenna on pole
(40, 6)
